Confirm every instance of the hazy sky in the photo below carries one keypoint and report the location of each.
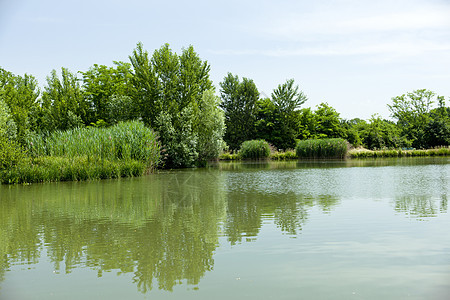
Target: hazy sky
(354, 54)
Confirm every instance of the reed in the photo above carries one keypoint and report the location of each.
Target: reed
(364, 153)
(286, 155)
(46, 169)
(229, 156)
(124, 141)
(254, 149)
(322, 148)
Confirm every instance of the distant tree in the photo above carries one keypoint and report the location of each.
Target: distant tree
(20, 94)
(438, 127)
(8, 128)
(267, 121)
(239, 104)
(210, 128)
(101, 85)
(278, 119)
(412, 111)
(327, 122)
(379, 133)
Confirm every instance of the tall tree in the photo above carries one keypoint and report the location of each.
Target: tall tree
(239, 104)
(412, 113)
(288, 98)
(103, 85)
(63, 104)
(21, 94)
(169, 89)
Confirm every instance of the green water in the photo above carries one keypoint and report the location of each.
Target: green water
(359, 229)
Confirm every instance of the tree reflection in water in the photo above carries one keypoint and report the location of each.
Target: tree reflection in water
(163, 228)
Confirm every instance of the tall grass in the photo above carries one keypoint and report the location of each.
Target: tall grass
(126, 149)
(124, 141)
(323, 148)
(46, 169)
(254, 149)
(364, 153)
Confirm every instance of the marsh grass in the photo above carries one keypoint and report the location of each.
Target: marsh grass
(124, 141)
(124, 150)
(322, 148)
(254, 149)
(365, 153)
(46, 169)
(286, 155)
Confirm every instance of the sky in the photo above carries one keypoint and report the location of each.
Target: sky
(356, 55)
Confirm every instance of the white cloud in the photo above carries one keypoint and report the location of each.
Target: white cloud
(411, 28)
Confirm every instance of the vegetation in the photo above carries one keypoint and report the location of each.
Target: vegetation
(173, 95)
(254, 149)
(365, 153)
(126, 149)
(324, 148)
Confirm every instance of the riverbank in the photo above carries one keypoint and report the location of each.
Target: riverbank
(354, 154)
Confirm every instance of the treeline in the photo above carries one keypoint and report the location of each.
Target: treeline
(174, 95)
(282, 121)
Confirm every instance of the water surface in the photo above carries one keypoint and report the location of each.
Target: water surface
(358, 229)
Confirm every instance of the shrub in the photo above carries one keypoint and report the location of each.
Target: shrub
(288, 154)
(10, 153)
(322, 148)
(254, 149)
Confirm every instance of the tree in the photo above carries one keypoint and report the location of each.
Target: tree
(101, 85)
(327, 121)
(438, 127)
(239, 104)
(211, 127)
(412, 111)
(287, 99)
(20, 93)
(63, 104)
(380, 133)
(169, 91)
(8, 128)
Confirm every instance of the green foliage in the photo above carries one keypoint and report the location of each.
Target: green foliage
(328, 122)
(239, 104)
(124, 141)
(63, 104)
(8, 128)
(278, 119)
(438, 127)
(412, 111)
(20, 94)
(324, 122)
(169, 90)
(287, 97)
(106, 90)
(284, 155)
(210, 128)
(379, 134)
(254, 149)
(322, 148)
(365, 153)
(11, 153)
(46, 169)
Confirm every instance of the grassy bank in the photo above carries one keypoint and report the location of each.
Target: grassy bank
(126, 149)
(364, 153)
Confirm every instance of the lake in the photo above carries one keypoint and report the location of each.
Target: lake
(356, 229)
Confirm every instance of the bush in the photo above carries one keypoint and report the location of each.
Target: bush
(323, 148)
(254, 149)
(10, 153)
